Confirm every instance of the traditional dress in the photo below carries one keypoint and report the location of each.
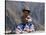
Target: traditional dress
(25, 26)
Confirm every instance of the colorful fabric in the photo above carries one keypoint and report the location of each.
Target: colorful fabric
(21, 27)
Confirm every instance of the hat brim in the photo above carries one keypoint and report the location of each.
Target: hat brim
(26, 10)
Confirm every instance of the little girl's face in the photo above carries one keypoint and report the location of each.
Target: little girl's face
(25, 13)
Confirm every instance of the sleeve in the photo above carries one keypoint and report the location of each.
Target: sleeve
(18, 29)
(32, 27)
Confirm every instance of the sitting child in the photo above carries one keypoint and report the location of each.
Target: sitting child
(26, 24)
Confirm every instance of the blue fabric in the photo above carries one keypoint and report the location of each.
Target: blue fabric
(21, 26)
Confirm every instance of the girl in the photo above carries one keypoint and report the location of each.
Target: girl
(26, 24)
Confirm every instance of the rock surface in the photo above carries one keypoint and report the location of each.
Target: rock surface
(14, 12)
